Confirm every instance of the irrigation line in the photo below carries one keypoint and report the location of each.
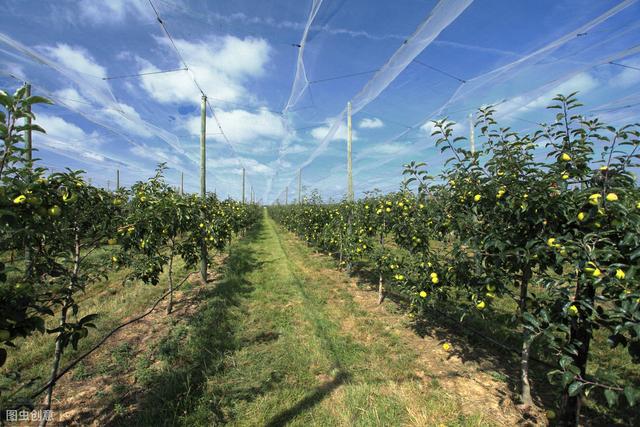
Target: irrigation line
(104, 339)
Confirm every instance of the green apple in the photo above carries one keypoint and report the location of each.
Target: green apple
(54, 211)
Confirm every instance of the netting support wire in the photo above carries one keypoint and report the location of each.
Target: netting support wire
(343, 76)
(173, 43)
(195, 82)
(145, 74)
(440, 17)
(431, 67)
(300, 81)
(624, 65)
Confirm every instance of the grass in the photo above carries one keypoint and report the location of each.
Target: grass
(500, 324)
(277, 341)
(111, 300)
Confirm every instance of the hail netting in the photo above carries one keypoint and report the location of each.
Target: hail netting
(438, 18)
(278, 78)
(452, 78)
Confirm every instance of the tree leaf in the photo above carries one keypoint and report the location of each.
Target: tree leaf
(575, 388)
(611, 396)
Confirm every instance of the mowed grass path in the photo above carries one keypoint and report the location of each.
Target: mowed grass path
(281, 341)
(298, 361)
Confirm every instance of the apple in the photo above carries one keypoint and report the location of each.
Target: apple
(69, 197)
(54, 211)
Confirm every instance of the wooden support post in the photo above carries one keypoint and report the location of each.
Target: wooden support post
(243, 184)
(299, 185)
(472, 138)
(28, 140)
(203, 179)
(349, 165)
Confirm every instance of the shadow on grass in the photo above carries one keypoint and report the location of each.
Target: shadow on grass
(196, 350)
(501, 364)
(310, 401)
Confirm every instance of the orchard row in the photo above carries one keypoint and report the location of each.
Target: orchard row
(560, 235)
(59, 235)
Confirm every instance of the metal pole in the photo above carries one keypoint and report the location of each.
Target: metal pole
(243, 184)
(286, 196)
(117, 179)
(349, 169)
(203, 179)
(181, 183)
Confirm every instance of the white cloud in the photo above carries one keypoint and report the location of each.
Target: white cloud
(429, 127)
(340, 134)
(157, 155)
(111, 11)
(582, 83)
(57, 127)
(221, 66)
(540, 98)
(242, 126)
(127, 118)
(295, 149)
(76, 59)
(66, 137)
(388, 149)
(72, 98)
(241, 18)
(374, 123)
(94, 156)
(234, 165)
(122, 115)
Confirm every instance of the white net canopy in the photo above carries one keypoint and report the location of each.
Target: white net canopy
(127, 78)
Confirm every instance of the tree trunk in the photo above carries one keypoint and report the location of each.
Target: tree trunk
(380, 287)
(525, 386)
(349, 234)
(581, 338)
(57, 355)
(170, 305)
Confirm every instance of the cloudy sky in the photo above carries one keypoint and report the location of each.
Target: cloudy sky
(278, 75)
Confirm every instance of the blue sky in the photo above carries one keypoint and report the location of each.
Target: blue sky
(279, 73)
